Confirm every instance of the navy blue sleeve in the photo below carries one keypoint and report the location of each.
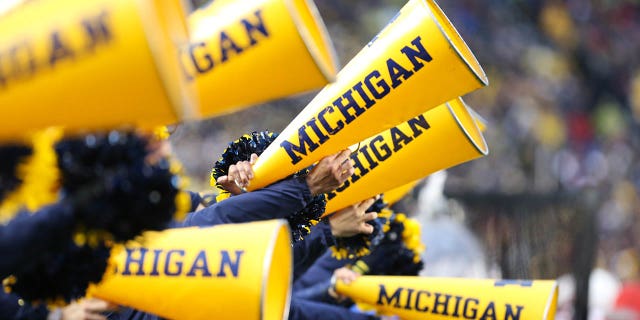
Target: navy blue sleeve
(320, 271)
(10, 309)
(196, 200)
(310, 310)
(27, 236)
(307, 251)
(276, 201)
(126, 313)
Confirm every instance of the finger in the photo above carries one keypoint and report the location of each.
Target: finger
(228, 185)
(366, 228)
(342, 156)
(254, 159)
(365, 204)
(242, 178)
(345, 165)
(233, 172)
(369, 216)
(248, 170)
(333, 293)
(346, 174)
(98, 305)
(223, 180)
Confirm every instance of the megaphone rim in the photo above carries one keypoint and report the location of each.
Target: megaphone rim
(480, 144)
(553, 300)
(282, 226)
(479, 119)
(183, 101)
(326, 62)
(441, 17)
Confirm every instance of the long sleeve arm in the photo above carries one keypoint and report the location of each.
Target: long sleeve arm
(307, 251)
(276, 201)
(28, 235)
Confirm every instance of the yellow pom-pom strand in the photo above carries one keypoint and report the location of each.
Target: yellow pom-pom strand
(39, 175)
(161, 133)
(411, 236)
(222, 195)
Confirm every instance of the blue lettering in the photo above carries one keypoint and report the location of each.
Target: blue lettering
(398, 138)
(437, 303)
(467, 308)
(226, 44)
(351, 104)
(372, 164)
(130, 260)
(380, 84)
(397, 72)
(258, 26)
(365, 97)
(325, 124)
(510, 314)
(417, 305)
(490, 311)
(232, 265)
(457, 307)
(413, 54)
(416, 122)
(301, 148)
(200, 264)
(156, 258)
(97, 31)
(382, 296)
(208, 60)
(59, 50)
(383, 147)
(407, 304)
(312, 123)
(178, 264)
(357, 165)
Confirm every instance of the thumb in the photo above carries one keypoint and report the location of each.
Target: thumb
(223, 180)
(254, 158)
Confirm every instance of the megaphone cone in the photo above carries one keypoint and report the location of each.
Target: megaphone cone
(416, 63)
(481, 122)
(455, 298)
(239, 271)
(247, 52)
(89, 65)
(437, 139)
(396, 194)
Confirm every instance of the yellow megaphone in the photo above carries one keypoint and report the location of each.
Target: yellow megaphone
(236, 271)
(416, 63)
(437, 139)
(455, 298)
(89, 65)
(396, 194)
(247, 52)
(481, 122)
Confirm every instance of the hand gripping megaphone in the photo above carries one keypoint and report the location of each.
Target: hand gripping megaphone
(437, 139)
(454, 298)
(89, 65)
(252, 51)
(236, 271)
(414, 64)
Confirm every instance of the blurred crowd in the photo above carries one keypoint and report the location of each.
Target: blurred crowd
(563, 106)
